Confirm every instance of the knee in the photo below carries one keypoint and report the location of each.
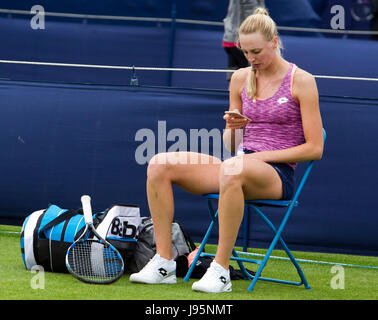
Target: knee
(230, 174)
(236, 172)
(158, 167)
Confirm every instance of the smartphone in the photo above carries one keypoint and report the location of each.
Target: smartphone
(237, 114)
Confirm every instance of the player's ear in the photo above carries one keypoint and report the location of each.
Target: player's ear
(275, 42)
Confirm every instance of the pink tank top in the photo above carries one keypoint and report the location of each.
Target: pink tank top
(276, 122)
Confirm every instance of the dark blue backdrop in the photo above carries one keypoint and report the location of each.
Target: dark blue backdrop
(61, 141)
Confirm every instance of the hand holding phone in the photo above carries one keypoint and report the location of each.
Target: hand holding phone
(237, 114)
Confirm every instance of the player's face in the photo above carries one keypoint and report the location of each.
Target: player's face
(257, 50)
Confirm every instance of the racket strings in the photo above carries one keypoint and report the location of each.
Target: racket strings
(94, 261)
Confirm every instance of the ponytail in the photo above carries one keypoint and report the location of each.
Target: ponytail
(251, 88)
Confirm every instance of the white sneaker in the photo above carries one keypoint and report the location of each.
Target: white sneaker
(157, 270)
(215, 280)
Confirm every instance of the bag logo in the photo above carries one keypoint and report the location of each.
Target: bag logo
(123, 229)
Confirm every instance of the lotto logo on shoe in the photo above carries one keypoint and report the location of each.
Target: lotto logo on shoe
(222, 279)
(163, 272)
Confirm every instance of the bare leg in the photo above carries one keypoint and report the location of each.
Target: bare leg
(195, 173)
(257, 180)
(160, 202)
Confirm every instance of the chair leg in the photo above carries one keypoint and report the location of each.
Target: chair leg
(247, 275)
(266, 258)
(245, 228)
(295, 263)
(272, 246)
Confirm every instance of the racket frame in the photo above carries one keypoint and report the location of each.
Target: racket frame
(89, 228)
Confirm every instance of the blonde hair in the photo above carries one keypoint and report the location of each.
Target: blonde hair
(259, 21)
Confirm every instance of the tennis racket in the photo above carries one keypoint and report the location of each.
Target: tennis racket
(91, 258)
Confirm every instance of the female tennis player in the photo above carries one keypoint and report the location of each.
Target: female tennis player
(285, 127)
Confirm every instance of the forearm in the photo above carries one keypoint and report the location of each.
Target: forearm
(300, 153)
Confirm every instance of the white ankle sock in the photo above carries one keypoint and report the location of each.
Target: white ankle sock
(219, 268)
(163, 260)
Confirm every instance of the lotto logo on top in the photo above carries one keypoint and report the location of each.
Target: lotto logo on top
(282, 100)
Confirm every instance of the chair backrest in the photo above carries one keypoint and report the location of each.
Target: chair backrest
(306, 173)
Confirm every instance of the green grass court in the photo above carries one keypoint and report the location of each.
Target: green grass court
(359, 283)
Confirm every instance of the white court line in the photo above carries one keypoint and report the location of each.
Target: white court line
(309, 261)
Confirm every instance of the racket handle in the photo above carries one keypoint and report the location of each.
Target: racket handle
(87, 209)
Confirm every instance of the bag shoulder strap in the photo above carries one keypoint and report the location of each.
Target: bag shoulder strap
(59, 219)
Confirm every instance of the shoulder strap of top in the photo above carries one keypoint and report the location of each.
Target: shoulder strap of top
(293, 69)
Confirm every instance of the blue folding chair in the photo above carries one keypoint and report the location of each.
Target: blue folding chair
(255, 206)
